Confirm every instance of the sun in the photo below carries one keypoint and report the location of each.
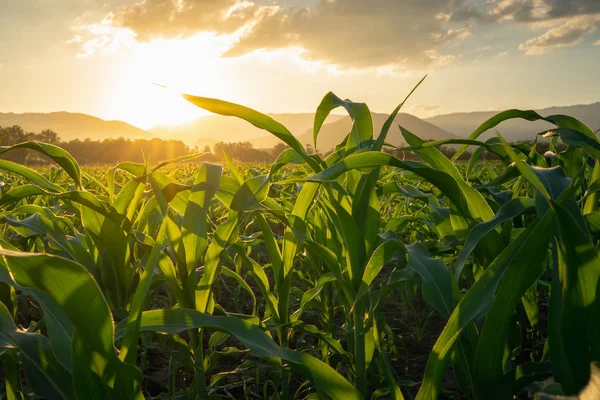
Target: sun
(177, 66)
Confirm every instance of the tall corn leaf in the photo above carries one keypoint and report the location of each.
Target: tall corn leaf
(194, 229)
(97, 371)
(327, 381)
(525, 249)
(57, 154)
(46, 376)
(257, 119)
(561, 121)
(575, 320)
(361, 134)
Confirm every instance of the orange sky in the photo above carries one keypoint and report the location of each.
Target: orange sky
(102, 57)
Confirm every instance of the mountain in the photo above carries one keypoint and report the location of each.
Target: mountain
(334, 133)
(210, 129)
(71, 126)
(463, 124)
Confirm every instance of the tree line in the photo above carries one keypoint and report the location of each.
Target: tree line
(88, 151)
(112, 151)
(115, 150)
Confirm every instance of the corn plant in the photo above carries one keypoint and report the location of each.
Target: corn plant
(286, 270)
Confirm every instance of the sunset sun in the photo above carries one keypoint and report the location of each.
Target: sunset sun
(154, 74)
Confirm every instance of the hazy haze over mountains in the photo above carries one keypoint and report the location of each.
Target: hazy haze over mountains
(211, 129)
(215, 128)
(71, 126)
(463, 124)
(333, 133)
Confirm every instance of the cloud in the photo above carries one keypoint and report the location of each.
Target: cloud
(597, 43)
(347, 33)
(179, 18)
(425, 108)
(502, 54)
(568, 32)
(102, 36)
(359, 34)
(542, 10)
(566, 22)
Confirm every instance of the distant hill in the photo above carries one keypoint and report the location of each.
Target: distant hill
(463, 124)
(210, 129)
(333, 133)
(71, 126)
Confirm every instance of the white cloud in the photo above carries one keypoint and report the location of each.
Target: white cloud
(347, 33)
(399, 36)
(566, 22)
(102, 36)
(566, 32)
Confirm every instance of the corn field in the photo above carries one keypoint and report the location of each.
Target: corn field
(188, 280)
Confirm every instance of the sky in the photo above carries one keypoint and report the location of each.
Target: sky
(102, 57)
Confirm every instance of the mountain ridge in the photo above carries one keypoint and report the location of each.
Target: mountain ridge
(464, 123)
(210, 129)
(70, 126)
(334, 133)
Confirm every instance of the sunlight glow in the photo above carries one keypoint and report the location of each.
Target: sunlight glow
(189, 65)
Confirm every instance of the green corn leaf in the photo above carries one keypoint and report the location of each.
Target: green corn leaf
(57, 154)
(362, 123)
(194, 230)
(129, 198)
(29, 174)
(312, 294)
(171, 192)
(327, 381)
(257, 119)
(519, 276)
(378, 145)
(288, 156)
(438, 285)
(366, 209)
(390, 377)
(440, 179)
(291, 242)
(476, 300)
(575, 138)
(240, 280)
(382, 255)
(187, 157)
(592, 202)
(129, 345)
(12, 378)
(251, 194)
(272, 247)
(225, 234)
(261, 279)
(38, 224)
(561, 121)
(510, 210)
(575, 320)
(97, 371)
(478, 207)
(45, 375)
